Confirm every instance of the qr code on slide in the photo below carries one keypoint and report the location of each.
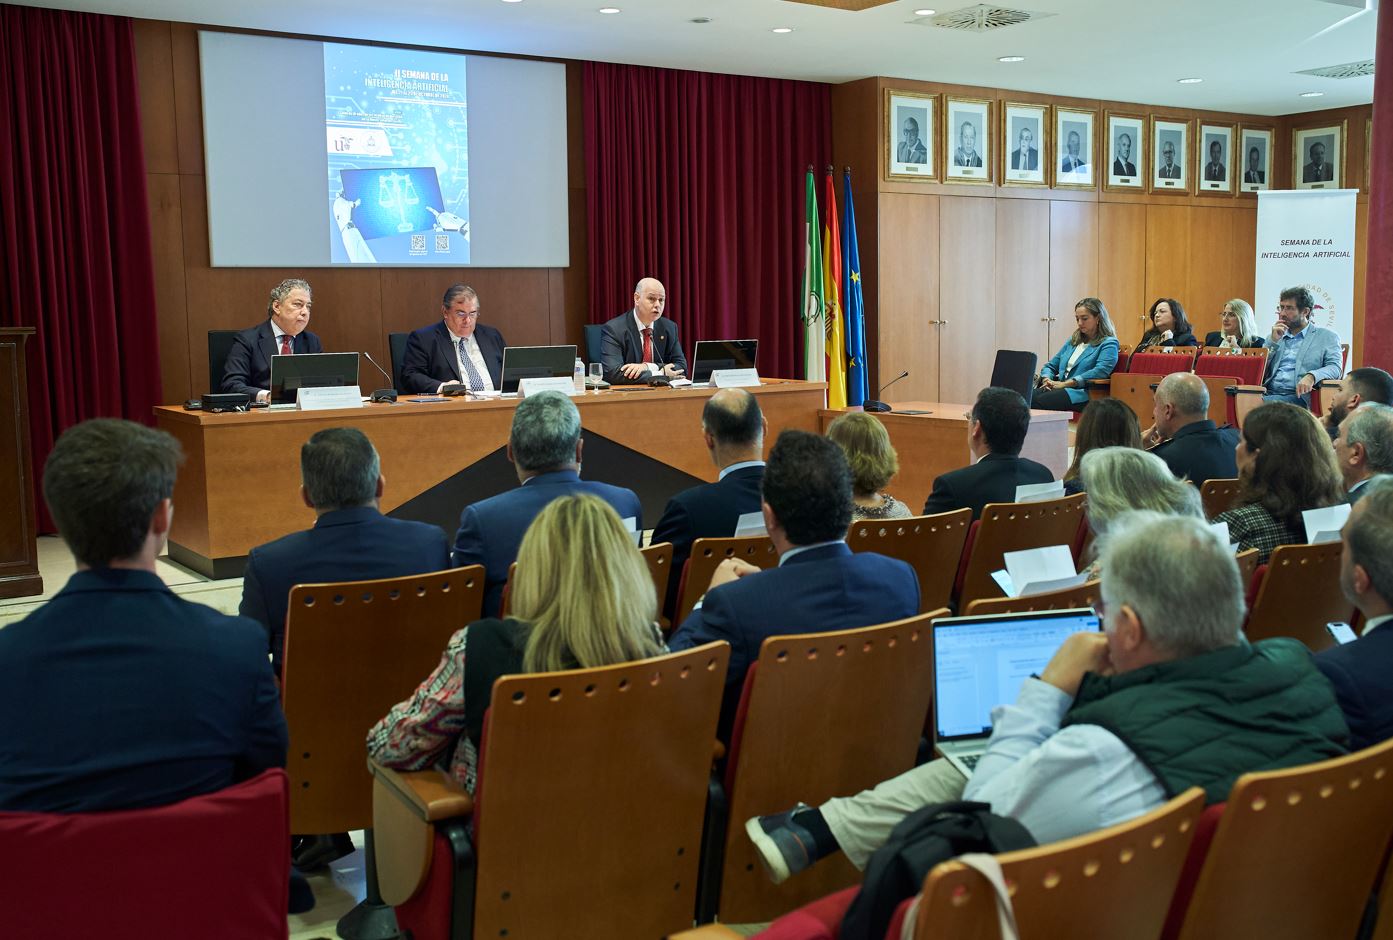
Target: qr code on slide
(418, 243)
(442, 243)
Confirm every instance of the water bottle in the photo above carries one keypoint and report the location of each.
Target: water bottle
(579, 376)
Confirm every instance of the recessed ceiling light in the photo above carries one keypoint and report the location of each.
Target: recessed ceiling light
(783, 29)
(1190, 81)
(1312, 94)
(924, 12)
(512, 1)
(610, 10)
(1011, 58)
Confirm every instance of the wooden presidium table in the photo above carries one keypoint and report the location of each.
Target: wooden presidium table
(240, 482)
(935, 441)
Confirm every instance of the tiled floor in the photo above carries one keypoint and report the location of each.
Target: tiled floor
(336, 890)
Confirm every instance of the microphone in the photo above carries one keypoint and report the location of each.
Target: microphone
(382, 394)
(875, 404)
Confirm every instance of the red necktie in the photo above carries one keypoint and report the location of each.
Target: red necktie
(648, 345)
(285, 344)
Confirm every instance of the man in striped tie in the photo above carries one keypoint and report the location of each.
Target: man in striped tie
(459, 350)
(282, 333)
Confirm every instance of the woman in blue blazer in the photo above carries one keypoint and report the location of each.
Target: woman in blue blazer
(1091, 353)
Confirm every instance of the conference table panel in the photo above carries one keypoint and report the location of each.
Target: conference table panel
(239, 485)
(935, 442)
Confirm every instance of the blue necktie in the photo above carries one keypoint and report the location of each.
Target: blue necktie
(476, 384)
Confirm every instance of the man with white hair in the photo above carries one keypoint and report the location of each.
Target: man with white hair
(1364, 446)
(1169, 696)
(1182, 435)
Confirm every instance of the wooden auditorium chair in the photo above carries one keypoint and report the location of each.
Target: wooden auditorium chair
(1084, 595)
(706, 557)
(1299, 594)
(932, 545)
(1221, 369)
(1010, 527)
(1100, 388)
(1144, 370)
(1218, 495)
(586, 822)
(658, 558)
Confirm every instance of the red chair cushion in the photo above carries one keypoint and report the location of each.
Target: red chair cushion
(426, 916)
(737, 730)
(1159, 363)
(820, 920)
(1190, 872)
(1244, 370)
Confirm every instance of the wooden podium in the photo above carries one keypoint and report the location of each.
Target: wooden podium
(19, 560)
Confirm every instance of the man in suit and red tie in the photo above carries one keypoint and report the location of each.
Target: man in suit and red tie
(639, 344)
(457, 350)
(283, 333)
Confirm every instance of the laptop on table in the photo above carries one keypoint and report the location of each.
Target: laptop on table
(289, 374)
(535, 362)
(982, 662)
(711, 355)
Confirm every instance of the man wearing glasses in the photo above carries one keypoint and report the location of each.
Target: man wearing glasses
(459, 350)
(1302, 353)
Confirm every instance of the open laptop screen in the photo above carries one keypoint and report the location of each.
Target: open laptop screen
(711, 355)
(981, 662)
(289, 374)
(536, 362)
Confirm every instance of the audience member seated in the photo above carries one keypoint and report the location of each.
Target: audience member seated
(1169, 328)
(459, 350)
(282, 333)
(341, 480)
(544, 447)
(1285, 466)
(1364, 448)
(1362, 671)
(1366, 384)
(1090, 353)
(1167, 697)
(1107, 422)
(873, 463)
(1301, 353)
(1120, 480)
(996, 428)
(1238, 328)
(819, 583)
(582, 598)
(640, 345)
(733, 427)
(1183, 436)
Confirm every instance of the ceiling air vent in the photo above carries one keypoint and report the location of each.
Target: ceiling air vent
(855, 6)
(1348, 70)
(982, 18)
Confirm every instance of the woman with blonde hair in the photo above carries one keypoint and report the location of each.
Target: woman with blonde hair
(581, 597)
(873, 463)
(1120, 480)
(1090, 352)
(1238, 327)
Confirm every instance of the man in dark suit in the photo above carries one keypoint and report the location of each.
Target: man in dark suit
(283, 333)
(457, 350)
(819, 583)
(1362, 671)
(1364, 447)
(1214, 170)
(733, 427)
(910, 148)
(1317, 171)
(341, 480)
(544, 446)
(996, 429)
(1025, 156)
(1255, 172)
(117, 693)
(966, 154)
(1365, 384)
(1183, 436)
(639, 343)
(1169, 169)
(1122, 164)
(1073, 161)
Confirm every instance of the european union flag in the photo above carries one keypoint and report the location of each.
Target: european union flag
(853, 305)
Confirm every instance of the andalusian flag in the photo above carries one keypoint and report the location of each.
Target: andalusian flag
(812, 313)
(857, 390)
(831, 293)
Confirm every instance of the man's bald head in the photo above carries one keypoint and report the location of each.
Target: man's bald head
(1181, 399)
(650, 298)
(734, 426)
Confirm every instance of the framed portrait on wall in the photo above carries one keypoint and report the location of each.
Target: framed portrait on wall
(1075, 155)
(1025, 135)
(1254, 170)
(1216, 159)
(909, 135)
(1318, 157)
(1125, 152)
(1170, 156)
(967, 140)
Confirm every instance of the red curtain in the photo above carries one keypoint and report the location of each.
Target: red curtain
(74, 223)
(697, 179)
(1378, 279)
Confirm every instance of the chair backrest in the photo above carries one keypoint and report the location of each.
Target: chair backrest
(136, 873)
(1116, 882)
(1010, 527)
(1144, 370)
(1015, 369)
(1247, 567)
(594, 337)
(932, 544)
(818, 694)
(1244, 370)
(1160, 362)
(1300, 595)
(706, 557)
(219, 345)
(1217, 495)
(396, 346)
(591, 778)
(657, 557)
(1297, 851)
(1084, 595)
(352, 651)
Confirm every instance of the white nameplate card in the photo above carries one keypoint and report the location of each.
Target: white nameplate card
(1037, 571)
(336, 396)
(734, 378)
(1323, 525)
(564, 384)
(1039, 492)
(631, 524)
(750, 523)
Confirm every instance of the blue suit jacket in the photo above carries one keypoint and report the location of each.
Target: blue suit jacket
(621, 342)
(1318, 354)
(1362, 674)
(491, 530)
(118, 694)
(1097, 362)
(429, 357)
(824, 588)
(707, 511)
(248, 367)
(993, 479)
(358, 544)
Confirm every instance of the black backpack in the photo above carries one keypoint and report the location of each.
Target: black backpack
(925, 837)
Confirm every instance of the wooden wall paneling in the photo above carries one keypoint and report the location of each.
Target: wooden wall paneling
(188, 97)
(1243, 257)
(1212, 271)
(967, 337)
(1122, 266)
(857, 113)
(171, 298)
(1167, 256)
(909, 299)
(154, 60)
(1023, 275)
(1073, 263)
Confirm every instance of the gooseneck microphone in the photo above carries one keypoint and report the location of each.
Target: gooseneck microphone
(382, 394)
(875, 404)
